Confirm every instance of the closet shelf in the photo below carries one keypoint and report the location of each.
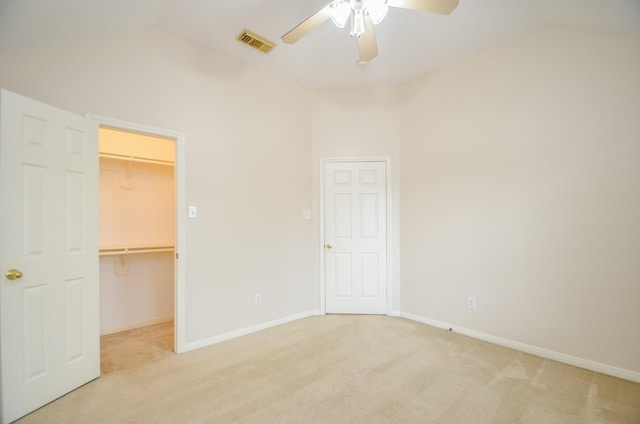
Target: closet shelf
(134, 250)
(138, 159)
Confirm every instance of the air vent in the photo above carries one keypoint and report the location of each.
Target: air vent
(253, 40)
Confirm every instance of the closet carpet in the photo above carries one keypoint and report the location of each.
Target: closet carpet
(341, 369)
(130, 349)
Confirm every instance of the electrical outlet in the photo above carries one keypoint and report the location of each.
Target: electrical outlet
(471, 302)
(258, 299)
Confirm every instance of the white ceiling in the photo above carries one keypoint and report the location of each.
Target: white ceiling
(410, 43)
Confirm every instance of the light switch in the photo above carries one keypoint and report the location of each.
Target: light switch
(193, 212)
(306, 214)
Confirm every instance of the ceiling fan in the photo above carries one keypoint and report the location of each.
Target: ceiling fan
(364, 15)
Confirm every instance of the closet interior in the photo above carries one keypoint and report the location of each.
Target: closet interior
(137, 230)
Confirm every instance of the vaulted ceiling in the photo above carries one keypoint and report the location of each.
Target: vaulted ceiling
(410, 43)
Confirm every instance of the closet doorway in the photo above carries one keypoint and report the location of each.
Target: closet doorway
(139, 238)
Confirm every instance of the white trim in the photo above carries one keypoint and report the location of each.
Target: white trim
(389, 226)
(134, 325)
(523, 347)
(389, 235)
(248, 330)
(323, 303)
(179, 175)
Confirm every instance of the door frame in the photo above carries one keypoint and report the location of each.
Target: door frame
(180, 206)
(389, 233)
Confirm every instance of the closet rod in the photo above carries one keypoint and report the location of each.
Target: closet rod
(132, 250)
(136, 159)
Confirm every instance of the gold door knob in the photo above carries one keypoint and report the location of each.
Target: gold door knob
(328, 246)
(13, 274)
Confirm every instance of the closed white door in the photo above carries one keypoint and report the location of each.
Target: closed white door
(50, 340)
(355, 237)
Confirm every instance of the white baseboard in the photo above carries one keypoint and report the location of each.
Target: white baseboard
(248, 330)
(134, 325)
(534, 350)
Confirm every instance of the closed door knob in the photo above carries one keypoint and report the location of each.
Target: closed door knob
(13, 274)
(328, 246)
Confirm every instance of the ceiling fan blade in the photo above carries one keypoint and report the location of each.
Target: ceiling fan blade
(443, 7)
(367, 44)
(307, 25)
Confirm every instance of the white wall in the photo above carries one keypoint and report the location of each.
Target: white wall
(359, 123)
(141, 294)
(137, 209)
(137, 204)
(248, 153)
(520, 186)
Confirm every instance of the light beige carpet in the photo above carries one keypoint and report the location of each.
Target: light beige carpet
(132, 348)
(349, 369)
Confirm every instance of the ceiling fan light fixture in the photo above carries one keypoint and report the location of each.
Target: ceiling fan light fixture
(340, 12)
(377, 9)
(357, 23)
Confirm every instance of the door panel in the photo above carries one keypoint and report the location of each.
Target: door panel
(49, 230)
(369, 219)
(370, 282)
(355, 237)
(35, 332)
(33, 190)
(342, 212)
(343, 275)
(74, 182)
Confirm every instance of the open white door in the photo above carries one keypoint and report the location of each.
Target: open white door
(355, 228)
(49, 340)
